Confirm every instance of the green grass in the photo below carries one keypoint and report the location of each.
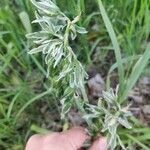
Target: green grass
(137, 69)
(22, 77)
(116, 47)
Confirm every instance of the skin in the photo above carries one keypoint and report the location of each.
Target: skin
(72, 139)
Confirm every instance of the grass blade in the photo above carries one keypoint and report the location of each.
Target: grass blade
(115, 65)
(113, 37)
(31, 101)
(12, 104)
(137, 141)
(136, 71)
(24, 17)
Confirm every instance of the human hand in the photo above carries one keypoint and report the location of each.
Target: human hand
(72, 139)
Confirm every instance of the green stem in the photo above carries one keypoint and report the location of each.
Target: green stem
(83, 112)
(66, 36)
(83, 91)
(117, 49)
(66, 45)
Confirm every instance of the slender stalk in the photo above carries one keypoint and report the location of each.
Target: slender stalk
(66, 45)
(115, 44)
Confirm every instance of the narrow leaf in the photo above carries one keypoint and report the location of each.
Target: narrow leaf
(80, 30)
(136, 71)
(113, 37)
(25, 21)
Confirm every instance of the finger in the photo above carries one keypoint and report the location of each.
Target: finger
(69, 140)
(76, 137)
(32, 142)
(100, 144)
(36, 141)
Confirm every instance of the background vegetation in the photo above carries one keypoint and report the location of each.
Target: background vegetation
(27, 103)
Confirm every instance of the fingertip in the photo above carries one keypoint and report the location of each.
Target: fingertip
(77, 132)
(33, 140)
(77, 136)
(100, 144)
(37, 140)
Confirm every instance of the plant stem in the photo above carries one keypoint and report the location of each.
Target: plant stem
(83, 91)
(66, 45)
(82, 110)
(117, 49)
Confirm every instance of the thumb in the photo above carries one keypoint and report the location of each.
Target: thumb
(100, 144)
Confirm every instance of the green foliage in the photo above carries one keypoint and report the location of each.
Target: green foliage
(114, 42)
(136, 71)
(23, 87)
(111, 115)
(53, 42)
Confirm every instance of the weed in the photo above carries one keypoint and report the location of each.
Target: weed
(53, 41)
(23, 87)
